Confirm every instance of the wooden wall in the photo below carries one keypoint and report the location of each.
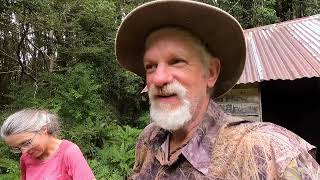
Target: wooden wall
(243, 101)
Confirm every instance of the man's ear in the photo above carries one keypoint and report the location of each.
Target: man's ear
(213, 71)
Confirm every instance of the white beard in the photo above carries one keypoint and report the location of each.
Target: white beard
(162, 113)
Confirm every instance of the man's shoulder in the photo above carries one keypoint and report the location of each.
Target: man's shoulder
(279, 134)
(275, 134)
(262, 144)
(271, 139)
(148, 134)
(150, 130)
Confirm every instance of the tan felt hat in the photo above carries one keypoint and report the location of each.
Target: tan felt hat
(221, 33)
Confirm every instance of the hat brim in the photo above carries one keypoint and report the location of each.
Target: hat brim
(221, 33)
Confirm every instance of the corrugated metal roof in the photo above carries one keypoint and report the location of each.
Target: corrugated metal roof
(287, 51)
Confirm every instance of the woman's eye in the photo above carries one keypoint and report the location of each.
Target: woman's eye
(26, 143)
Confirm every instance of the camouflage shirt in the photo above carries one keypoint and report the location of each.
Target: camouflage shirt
(226, 147)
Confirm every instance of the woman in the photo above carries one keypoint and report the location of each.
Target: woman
(34, 134)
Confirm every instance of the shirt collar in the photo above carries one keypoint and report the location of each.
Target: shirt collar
(198, 151)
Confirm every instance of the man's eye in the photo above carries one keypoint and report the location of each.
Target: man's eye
(150, 67)
(178, 61)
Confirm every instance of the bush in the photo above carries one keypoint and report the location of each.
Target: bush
(89, 136)
(9, 169)
(117, 157)
(102, 171)
(9, 166)
(86, 120)
(265, 16)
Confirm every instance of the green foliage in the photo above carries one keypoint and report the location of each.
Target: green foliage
(5, 153)
(90, 137)
(74, 96)
(265, 16)
(127, 100)
(312, 7)
(59, 55)
(10, 168)
(8, 160)
(102, 171)
(119, 152)
(85, 87)
(143, 120)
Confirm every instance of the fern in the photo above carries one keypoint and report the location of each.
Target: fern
(9, 169)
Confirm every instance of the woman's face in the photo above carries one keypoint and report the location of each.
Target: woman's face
(33, 143)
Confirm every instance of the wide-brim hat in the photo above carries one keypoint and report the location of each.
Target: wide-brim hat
(220, 32)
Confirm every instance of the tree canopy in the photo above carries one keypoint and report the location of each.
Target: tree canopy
(59, 55)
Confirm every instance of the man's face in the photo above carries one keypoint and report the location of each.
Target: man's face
(176, 78)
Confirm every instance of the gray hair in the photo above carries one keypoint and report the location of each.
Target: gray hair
(30, 120)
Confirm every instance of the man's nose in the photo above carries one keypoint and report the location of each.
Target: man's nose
(162, 76)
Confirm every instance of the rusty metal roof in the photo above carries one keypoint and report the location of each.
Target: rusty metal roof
(287, 50)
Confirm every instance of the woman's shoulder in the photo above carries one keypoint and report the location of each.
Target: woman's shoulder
(69, 147)
(72, 154)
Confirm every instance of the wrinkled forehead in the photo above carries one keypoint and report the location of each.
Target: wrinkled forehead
(171, 32)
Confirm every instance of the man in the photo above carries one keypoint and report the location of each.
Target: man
(189, 52)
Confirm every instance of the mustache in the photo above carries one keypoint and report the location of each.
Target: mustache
(173, 88)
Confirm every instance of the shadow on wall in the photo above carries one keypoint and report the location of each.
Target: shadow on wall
(294, 105)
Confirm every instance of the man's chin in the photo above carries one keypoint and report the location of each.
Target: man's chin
(170, 120)
(169, 126)
(170, 116)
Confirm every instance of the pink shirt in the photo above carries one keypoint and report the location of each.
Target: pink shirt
(66, 163)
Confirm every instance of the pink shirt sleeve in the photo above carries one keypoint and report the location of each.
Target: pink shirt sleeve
(77, 165)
